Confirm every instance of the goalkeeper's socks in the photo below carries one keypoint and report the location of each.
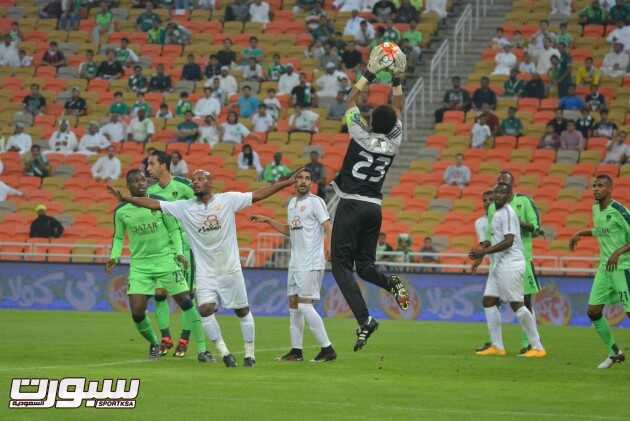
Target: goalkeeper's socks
(162, 314)
(191, 318)
(146, 330)
(604, 332)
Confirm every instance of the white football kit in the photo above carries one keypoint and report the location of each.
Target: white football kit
(306, 266)
(505, 279)
(211, 232)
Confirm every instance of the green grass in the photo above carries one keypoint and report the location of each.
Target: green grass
(408, 371)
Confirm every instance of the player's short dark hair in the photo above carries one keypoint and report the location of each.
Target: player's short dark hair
(384, 119)
(507, 186)
(606, 177)
(131, 174)
(487, 193)
(162, 157)
(507, 172)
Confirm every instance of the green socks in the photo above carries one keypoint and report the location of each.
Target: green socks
(603, 330)
(145, 329)
(191, 319)
(162, 314)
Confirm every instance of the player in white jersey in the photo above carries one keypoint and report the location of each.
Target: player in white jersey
(209, 223)
(506, 276)
(309, 228)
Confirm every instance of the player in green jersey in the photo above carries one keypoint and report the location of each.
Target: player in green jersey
(170, 188)
(611, 227)
(530, 227)
(156, 256)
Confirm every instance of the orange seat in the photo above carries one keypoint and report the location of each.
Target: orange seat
(437, 141)
(454, 116)
(609, 169)
(508, 142)
(583, 169)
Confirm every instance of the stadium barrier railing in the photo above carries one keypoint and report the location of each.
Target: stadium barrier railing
(416, 94)
(439, 69)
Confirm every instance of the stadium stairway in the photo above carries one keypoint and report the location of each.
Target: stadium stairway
(495, 17)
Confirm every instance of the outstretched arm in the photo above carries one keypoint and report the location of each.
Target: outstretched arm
(143, 202)
(278, 226)
(272, 189)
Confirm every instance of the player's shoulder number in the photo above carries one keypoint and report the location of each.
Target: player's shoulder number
(378, 164)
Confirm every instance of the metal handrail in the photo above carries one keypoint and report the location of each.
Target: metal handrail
(410, 110)
(463, 31)
(439, 68)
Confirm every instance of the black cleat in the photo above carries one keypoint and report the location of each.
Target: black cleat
(525, 349)
(229, 361)
(165, 345)
(484, 347)
(154, 351)
(399, 291)
(249, 362)
(182, 347)
(294, 355)
(205, 357)
(325, 355)
(364, 332)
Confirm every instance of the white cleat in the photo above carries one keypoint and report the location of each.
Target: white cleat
(610, 361)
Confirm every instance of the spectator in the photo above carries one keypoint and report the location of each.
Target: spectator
(303, 120)
(25, 59)
(484, 95)
(619, 13)
(526, 66)
(259, 12)
(213, 67)
(75, 106)
(63, 140)
(262, 120)
(337, 110)
(384, 10)
(119, 107)
(176, 34)
(622, 35)
(104, 23)
(491, 119)
(505, 60)
(160, 82)
(543, 64)
(564, 37)
(559, 123)
(273, 105)
(427, 247)
(248, 159)
(276, 170)
(110, 69)
(15, 33)
(351, 57)
(89, 68)
(571, 104)
(353, 24)
(512, 126)
(534, 88)
(518, 41)
(458, 174)
(593, 14)
(232, 130)
(36, 164)
(227, 82)
(407, 13)
(587, 74)
(125, 55)
(45, 226)
(391, 34)
(561, 7)
(330, 55)
(53, 56)
(107, 168)
(604, 128)
(179, 167)
(455, 99)
(585, 123)
(615, 62)
(52, 10)
(208, 105)
(617, 152)
(8, 53)
(183, 105)
(499, 41)
(571, 139)
(550, 139)
(382, 248)
(560, 73)
(414, 37)
(513, 86)
(187, 130)
(595, 100)
(141, 104)
(315, 50)
(288, 81)
(164, 113)
(275, 69)
(114, 130)
(317, 24)
(327, 84)
(252, 51)
(226, 56)
(480, 134)
(318, 173)
(302, 94)
(34, 104)
(93, 141)
(148, 19)
(403, 248)
(209, 133)
(191, 70)
(19, 141)
(70, 16)
(156, 35)
(238, 11)
(137, 81)
(252, 71)
(141, 128)
(538, 39)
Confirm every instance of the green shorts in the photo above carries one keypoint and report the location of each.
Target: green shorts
(611, 288)
(530, 281)
(144, 283)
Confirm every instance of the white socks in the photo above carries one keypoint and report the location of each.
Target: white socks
(529, 326)
(296, 328)
(248, 330)
(493, 318)
(213, 331)
(315, 323)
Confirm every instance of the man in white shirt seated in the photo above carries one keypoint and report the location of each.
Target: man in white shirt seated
(141, 128)
(115, 130)
(505, 61)
(303, 120)
(622, 35)
(288, 81)
(329, 83)
(262, 120)
(544, 57)
(259, 12)
(19, 141)
(209, 132)
(366, 33)
(8, 53)
(615, 62)
(63, 140)
(227, 82)
(93, 141)
(352, 26)
(107, 168)
(208, 105)
(458, 174)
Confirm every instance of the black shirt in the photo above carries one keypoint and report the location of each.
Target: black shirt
(351, 59)
(34, 104)
(484, 96)
(584, 125)
(459, 96)
(191, 71)
(75, 104)
(384, 8)
(558, 125)
(160, 83)
(407, 14)
(226, 57)
(534, 89)
(45, 226)
(316, 170)
(212, 70)
(109, 70)
(303, 95)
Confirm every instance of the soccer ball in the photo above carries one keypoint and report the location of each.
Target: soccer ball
(390, 51)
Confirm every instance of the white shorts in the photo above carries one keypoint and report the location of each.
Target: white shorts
(305, 284)
(227, 290)
(506, 283)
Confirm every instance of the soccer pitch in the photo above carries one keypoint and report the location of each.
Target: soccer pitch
(408, 371)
